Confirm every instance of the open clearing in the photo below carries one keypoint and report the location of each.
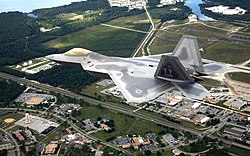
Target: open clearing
(106, 40)
(124, 125)
(215, 42)
(242, 77)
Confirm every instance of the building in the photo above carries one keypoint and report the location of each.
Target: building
(199, 118)
(169, 139)
(172, 101)
(205, 119)
(69, 130)
(151, 136)
(235, 131)
(131, 4)
(137, 140)
(237, 105)
(41, 125)
(167, 2)
(105, 127)
(119, 3)
(19, 136)
(196, 105)
(68, 108)
(50, 149)
(89, 125)
(169, 100)
(123, 142)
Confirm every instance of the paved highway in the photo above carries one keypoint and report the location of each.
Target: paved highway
(148, 36)
(112, 106)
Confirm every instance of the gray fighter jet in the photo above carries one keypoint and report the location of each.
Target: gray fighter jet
(142, 79)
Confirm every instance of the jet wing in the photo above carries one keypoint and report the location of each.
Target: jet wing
(138, 88)
(135, 79)
(193, 90)
(213, 68)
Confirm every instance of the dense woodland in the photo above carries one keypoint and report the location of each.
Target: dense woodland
(244, 4)
(180, 14)
(9, 91)
(14, 28)
(70, 78)
(20, 36)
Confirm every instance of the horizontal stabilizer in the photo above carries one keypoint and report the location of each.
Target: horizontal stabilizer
(193, 90)
(213, 68)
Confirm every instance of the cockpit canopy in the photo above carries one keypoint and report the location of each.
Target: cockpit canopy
(78, 51)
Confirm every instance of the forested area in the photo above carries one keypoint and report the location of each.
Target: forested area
(20, 36)
(244, 4)
(70, 78)
(167, 13)
(73, 7)
(15, 27)
(12, 72)
(9, 91)
(153, 3)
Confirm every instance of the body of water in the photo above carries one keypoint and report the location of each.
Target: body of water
(30, 5)
(194, 6)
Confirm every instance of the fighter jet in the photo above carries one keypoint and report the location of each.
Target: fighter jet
(142, 79)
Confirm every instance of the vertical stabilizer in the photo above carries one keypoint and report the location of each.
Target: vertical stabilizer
(187, 51)
(171, 69)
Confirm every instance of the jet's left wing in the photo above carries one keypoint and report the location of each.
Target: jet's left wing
(135, 79)
(137, 88)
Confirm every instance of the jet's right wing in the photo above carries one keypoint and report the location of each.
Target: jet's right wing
(192, 90)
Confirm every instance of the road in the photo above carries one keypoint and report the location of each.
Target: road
(123, 28)
(149, 35)
(150, 116)
(220, 107)
(13, 139)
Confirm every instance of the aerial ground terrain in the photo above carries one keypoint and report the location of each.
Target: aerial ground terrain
(51, 109)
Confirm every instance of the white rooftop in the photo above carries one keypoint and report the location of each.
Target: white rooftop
(37, 123)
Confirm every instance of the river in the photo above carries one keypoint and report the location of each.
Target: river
(30, 5)
(194, 6)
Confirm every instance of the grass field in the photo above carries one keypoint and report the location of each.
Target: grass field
(164, 42)
(188, 148)
(124, 125)
(209, 83)
(139, 22)
(93, 90)
(103, 39)
(215, 42)
(243, 77)
(238, 151)
(165, 153)
(226, 52)
(16, 116)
